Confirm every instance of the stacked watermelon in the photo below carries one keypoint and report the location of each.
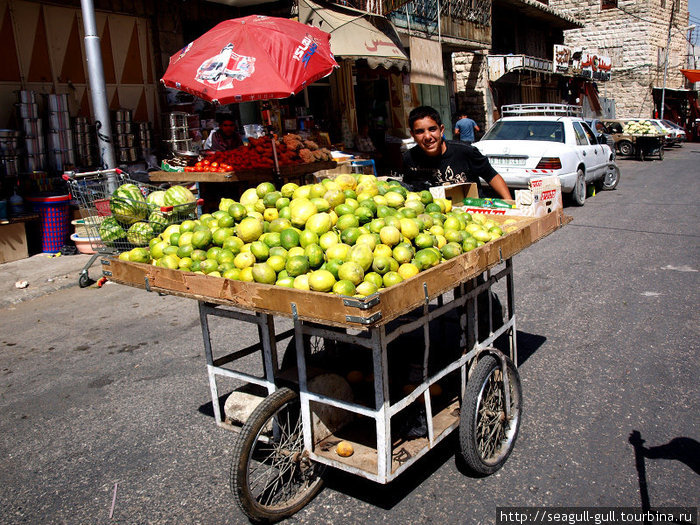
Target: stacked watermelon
(181, 199)
(128, 204)
(140, 218)
(111, 231)
(140, 233)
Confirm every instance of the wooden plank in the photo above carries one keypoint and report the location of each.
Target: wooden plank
(331, 309)
(295, 170)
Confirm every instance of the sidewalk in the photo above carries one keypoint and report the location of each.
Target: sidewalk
(44, 274)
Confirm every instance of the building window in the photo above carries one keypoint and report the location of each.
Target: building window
(608, 4)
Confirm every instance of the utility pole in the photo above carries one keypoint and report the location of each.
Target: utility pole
(668, 44)
(98, 90)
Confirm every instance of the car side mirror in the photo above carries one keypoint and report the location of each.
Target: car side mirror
(602, 139)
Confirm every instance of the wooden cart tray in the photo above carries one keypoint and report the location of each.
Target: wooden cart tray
(331, 309)
(295, 170)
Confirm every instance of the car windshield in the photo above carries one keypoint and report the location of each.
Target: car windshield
(526, 130)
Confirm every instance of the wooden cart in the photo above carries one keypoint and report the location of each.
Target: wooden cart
(628, 145)
(294, 434)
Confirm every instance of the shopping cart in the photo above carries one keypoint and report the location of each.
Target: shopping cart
(110, 229)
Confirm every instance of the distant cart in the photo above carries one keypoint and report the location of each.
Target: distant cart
(463, 382)
(640, 146)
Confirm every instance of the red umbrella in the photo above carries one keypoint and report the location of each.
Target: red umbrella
(251, 58)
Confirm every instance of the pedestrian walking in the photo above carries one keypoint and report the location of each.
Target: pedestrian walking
(465, 128)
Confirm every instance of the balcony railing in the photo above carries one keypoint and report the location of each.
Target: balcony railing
(499, 65)
(425, 11)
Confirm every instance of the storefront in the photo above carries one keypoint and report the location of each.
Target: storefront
(368, 87)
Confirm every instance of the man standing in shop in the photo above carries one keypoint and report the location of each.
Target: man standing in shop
(224, 138)
(435, 161)
(465, 128)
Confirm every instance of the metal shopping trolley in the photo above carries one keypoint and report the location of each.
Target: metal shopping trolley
(121, 213)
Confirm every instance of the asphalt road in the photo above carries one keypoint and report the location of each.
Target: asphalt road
(105, 387)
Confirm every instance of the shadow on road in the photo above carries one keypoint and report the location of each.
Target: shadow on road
(683, 449)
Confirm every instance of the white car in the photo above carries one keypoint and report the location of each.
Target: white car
(525, 147)
(677, 131)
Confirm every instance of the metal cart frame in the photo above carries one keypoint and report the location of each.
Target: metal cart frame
(389, 461)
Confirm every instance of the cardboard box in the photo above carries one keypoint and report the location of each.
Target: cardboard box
(13, 242)
(455, 192)
(541, 198)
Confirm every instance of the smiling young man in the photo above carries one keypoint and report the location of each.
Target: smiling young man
(435, 161)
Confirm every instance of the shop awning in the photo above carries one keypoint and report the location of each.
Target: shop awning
(693, 75)
(356, 34)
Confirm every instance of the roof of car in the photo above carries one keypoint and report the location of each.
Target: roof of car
(552, 118)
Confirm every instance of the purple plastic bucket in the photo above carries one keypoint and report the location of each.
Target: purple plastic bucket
(54, 214)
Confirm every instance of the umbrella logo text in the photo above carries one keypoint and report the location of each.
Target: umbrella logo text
(305, 50)
(224, 68)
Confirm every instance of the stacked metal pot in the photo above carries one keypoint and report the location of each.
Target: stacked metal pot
(178, 131)
(144, 138)
(9, 152)
(84, 136)
(33, 126)
(124, 139)
(60, 135)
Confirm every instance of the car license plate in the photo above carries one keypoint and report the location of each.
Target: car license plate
(508, 161)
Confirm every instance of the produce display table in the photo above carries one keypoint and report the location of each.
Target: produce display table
(210, 184)
(296, 171)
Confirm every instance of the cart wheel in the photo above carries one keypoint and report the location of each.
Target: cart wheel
(271, 475)
(486, 437)
(84, 280)
(625, 147)
(611, 179)
(579, 193)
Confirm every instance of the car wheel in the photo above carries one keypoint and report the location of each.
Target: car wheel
(611, 178)
(625, 147)
(578, 195)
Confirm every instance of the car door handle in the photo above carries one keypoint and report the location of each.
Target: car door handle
(584, 153)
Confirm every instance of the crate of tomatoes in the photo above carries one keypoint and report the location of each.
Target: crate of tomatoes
(257, 154)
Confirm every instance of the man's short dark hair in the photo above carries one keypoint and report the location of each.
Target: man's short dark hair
(423, 112)
(220, 119)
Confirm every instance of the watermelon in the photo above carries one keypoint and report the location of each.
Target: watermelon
(158, 221)
(140, 233)
(181, 198)
(156, 199)
(111, 231)
(128, 205)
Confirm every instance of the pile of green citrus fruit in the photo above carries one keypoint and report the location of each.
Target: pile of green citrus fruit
(352, 235)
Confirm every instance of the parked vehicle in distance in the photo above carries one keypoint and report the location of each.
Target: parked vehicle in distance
(533, 140)
(681, 136)
(599, 129)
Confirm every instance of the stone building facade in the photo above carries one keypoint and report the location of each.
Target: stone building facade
(634, 33)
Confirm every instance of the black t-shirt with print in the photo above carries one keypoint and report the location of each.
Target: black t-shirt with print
(460, 163)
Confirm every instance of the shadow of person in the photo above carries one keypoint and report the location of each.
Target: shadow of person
(683, 449)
